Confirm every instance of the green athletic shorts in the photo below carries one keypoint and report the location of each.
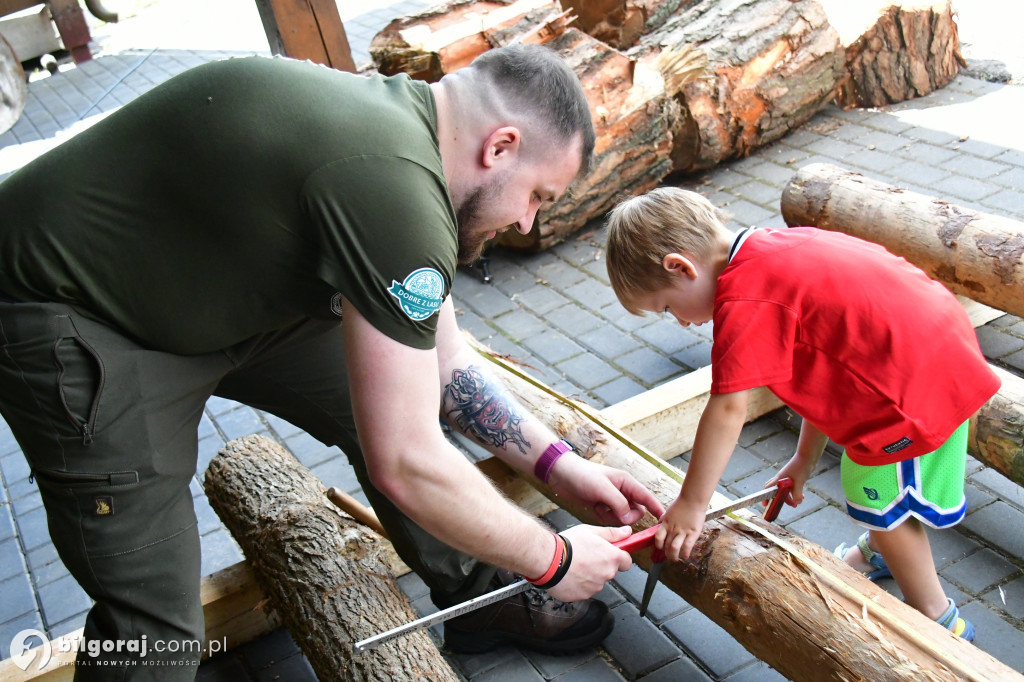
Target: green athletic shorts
(929, 487)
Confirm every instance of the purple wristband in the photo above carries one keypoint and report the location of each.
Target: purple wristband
(542, 469)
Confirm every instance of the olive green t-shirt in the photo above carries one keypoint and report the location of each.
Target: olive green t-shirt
(238, 198)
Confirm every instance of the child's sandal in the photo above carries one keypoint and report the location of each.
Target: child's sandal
(871, 556)
(952, 621)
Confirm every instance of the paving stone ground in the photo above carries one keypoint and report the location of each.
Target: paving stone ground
(555, 312)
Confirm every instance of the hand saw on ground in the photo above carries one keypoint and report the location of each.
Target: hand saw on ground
(634, 543)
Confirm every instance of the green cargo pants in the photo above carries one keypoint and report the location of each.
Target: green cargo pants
(109, 429)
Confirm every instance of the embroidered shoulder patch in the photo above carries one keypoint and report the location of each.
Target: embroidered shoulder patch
(420, 293)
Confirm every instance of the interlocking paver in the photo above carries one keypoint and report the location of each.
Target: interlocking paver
(715, 647)
(636, 644)
(980, 571)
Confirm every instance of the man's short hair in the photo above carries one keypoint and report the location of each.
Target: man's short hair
(642, 230)
(536, 80)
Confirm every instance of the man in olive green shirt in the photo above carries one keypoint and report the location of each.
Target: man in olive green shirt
(208, 239)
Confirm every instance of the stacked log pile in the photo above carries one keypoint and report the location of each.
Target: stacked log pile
(701, 80)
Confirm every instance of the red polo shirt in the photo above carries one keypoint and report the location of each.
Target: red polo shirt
(856, 340)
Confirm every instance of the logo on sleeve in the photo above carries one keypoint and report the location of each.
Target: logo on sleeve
(420, 293)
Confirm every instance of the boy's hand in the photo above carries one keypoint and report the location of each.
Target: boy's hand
(799, 469)
(680, 528)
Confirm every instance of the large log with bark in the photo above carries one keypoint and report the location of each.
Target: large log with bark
(745, 73)
(790, 602)
(621, 23)
(326, 575)
(633, 117)
(975, 254)
(895, 49)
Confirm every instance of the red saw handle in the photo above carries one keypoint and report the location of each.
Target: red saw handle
(775, 506)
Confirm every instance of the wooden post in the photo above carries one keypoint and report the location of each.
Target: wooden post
(307, 29)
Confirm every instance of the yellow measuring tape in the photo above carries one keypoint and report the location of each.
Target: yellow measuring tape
(837, 583)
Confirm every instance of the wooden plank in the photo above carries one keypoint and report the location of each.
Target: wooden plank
(307, 29)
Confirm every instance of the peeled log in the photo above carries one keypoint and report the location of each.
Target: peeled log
(975, 254)
(327, 576)
(13, 86)
(997, 431)
(811, 618)
(757, 69)
(895, 49)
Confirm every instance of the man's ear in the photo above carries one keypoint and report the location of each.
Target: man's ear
(501, 145)
(680, 264)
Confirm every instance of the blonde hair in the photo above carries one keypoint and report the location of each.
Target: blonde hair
(642, 230)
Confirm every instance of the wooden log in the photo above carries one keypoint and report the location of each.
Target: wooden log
(997, 431)
(975, 254)
(311, 30)
(789, 602)
(895, 49)
(13, 87)
(745, 73)
(620, 23)
(325, 574)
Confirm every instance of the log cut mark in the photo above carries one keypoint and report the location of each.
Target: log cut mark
(1005, 252)
(951, 221)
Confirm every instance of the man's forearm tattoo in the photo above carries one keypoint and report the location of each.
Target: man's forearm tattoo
(483, 410)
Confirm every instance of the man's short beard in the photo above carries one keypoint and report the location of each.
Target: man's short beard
(471, 238)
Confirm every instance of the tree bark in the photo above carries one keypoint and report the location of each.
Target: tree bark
(997, 431)
(789, 602)
(895, 49)
(325, 574)
(756, 69)
(975, 254)
(13, 87)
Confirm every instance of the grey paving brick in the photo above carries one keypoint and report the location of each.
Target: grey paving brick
(623, 319)
(712, 646)
(239, 422)
(12, 562)
(206, 516)
(552, 346)
(607, 341)
(15, 467)
(1000, 524)
(574, 321)
(828, 527)
(510, 279)
(9, 628)
(309, 450)
(975, 167)
(617, 390)
(594, 670)
(929, 154)
(996, 342)
(980, 571)
(985, 150)
(776, 448)
(219, 551)
(873, 160)
(636, 644)
(42, 556)
(541, 299)
(16, 598)
(649, 366)
(587, 371)
(949, 546)
(995, 635)
(742, 463)
(592, 294)
(483, 299)
(932, 136)
(1013, 157)
(1004, 488)
(748, 214)
(922, 173)
(1015, 360)
(965, 188)
(758, 430)
(1008, 597)
(976, 497)
(475, 664)
(516, 669)
(677, 671)
(557, 273)
(207, 449)
(217, 406)
(32, 529)
(48, 573)
(1008, 202)
(7, 529)
(62, 599)
(834, 147)
(337, 472)
(696, 356)
(667, 335)
(519, 325)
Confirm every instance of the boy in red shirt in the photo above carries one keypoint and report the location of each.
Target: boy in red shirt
(864, 346)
